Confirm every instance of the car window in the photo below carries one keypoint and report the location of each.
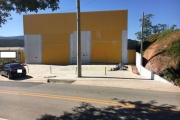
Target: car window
(5, 67)
(15, 66)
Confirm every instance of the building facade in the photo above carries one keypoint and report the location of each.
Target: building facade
(52, 38)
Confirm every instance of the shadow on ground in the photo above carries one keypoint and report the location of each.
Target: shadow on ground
(22, 78)
(140, 111)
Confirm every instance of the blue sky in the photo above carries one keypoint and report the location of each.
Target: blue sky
(165, 11)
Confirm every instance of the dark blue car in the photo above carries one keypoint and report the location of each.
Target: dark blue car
(12, 70)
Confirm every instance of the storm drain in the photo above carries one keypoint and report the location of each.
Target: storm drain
(64, 81)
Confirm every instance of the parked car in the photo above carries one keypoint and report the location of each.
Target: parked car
(12, 69)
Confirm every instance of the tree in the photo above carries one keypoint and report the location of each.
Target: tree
(173, 27)
(150, 29)
(162, 27)
(147, 26)
(156, 29)
(24, 6)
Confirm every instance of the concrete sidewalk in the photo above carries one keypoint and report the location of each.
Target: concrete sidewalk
(95, 75)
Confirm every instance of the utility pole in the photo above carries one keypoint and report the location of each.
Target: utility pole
(78, 40)
(142, 39)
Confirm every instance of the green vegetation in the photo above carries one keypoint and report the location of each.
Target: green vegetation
(174, 49)
(171, 39)
(166, 33)
(19, 6)
(4, 61)
(172, 75)
(150, 29)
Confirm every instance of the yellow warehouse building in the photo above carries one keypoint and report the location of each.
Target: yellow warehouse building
(52, 38)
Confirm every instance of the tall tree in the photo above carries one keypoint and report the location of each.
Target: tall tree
(147, 26)
(24, 6)
(150, 29)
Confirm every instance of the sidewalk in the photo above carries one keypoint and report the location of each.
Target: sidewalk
(94, 75)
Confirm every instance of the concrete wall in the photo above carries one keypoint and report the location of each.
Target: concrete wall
(147, 73)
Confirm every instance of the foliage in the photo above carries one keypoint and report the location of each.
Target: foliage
(24, 6)
(7, 60)
(172, 75)
(149, 29)
(174, 49)
(166, 33)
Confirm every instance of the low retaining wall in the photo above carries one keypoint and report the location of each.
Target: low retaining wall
(147, 73)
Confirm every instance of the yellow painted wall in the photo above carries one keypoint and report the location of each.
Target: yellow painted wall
(106, 34)
(55, 49)
(131, 56)
(65, 23)
(105, 52)
(22, 57)
(55, 54)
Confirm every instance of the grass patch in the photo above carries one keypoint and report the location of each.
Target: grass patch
(165, 34)
(174, 49)
(153, 38)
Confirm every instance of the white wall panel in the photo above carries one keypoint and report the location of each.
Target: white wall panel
(85, 47)
(33, 49)
(124, 47)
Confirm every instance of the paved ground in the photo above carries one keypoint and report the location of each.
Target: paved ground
(96, 75)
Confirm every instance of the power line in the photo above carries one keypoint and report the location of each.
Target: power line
(88, 3)
(76, 8)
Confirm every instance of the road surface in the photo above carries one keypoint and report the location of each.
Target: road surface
(43, 101)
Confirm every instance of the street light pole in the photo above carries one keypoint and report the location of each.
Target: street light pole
(78, 41)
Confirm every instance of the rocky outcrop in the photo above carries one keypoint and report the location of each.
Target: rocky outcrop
(156, 59)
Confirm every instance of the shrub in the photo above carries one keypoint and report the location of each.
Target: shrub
(174, 49)
(172, 74)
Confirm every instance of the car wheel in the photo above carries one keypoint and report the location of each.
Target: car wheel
(9, 77)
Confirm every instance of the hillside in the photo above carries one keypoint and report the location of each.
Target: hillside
(12, 38)
(162, 54)
(11, 43)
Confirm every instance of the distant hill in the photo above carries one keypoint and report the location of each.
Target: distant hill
(132, 44)
(12, 38)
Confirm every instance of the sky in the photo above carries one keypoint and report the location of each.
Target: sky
(164, 11)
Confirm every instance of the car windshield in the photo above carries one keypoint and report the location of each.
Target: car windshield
(15, 66)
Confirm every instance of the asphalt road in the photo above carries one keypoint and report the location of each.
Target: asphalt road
(31, 101)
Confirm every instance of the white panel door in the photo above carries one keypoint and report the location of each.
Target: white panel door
(124, 47)
(33, 49)
(85, 47)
